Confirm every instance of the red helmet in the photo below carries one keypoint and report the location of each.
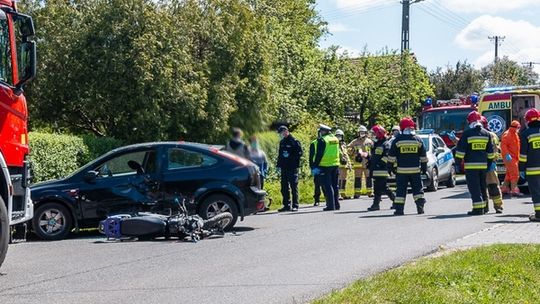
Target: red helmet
(474, 116)
(532, 115)
(407, 122)
(484, 122)
(379, 131)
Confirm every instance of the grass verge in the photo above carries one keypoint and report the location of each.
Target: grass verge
(492, 274)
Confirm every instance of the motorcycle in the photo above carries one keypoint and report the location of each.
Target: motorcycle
(178, 223)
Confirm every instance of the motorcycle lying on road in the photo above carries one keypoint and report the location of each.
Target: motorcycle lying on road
(179, 224)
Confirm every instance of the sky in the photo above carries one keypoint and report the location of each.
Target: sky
(441, 31)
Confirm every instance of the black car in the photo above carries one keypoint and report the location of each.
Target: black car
(134, 178)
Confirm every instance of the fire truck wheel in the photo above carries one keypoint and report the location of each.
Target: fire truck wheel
(52, 221)
(4, 231)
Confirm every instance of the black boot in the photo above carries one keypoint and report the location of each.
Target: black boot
(535, 217)
(486, 208)
(399, 209)
(498, 209)
(420, 205)
(392, 197)
(376, 204)
(476, 212)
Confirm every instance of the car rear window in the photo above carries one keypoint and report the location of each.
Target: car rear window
(181, 158)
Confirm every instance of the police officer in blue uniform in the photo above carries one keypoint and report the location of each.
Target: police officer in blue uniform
(290, 153)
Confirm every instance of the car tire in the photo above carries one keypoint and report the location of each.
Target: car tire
(52, 222)
(4, 231)
(434, 184)
(216, 204)
(451, 182)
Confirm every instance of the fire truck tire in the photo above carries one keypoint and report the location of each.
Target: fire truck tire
(4, 231)
(52, 222)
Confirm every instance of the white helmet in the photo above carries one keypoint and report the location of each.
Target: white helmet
(362, 129)
(339, 132)
(396, 128)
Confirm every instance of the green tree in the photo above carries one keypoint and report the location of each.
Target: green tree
(451, 82)
(508, 72)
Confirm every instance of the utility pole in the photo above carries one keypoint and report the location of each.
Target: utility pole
(530, 64)
(498, 41)
(405, 19)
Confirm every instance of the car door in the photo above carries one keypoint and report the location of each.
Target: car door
(187, 170)
(444, 158)
(119, 188)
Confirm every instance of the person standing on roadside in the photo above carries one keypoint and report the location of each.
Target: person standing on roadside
(510, 145)
(492, 179)
(316, 177)
(360, 148)
(378, 168)
(476, 150)
(529, 158)
(344, 166)
(258, 157)
(236, 145)
(326, 164)
(290, 153)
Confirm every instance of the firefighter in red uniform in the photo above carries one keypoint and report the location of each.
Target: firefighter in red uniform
(476, 149)
(529, 158)
(378, 167)
(409, 153)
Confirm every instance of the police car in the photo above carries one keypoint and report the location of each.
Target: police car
(441, 163)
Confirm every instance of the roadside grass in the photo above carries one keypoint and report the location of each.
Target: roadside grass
(305, 191)
(491, 274)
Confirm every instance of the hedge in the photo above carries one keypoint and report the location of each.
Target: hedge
(55, 156)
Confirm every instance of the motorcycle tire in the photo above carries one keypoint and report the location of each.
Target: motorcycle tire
(219, 221)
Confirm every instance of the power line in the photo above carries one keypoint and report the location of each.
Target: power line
(498, 42)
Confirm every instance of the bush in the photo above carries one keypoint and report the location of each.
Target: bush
(55, 156)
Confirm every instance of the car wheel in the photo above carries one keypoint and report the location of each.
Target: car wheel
(4, 231)
(216, 204)
(434, 185)
(52, 221)
(451, 182)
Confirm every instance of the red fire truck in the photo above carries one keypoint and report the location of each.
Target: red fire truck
(17, 68)
(445, 116)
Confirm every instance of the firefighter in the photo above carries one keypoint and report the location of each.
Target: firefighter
(492, 179)
(344, 166)
(378, 167)
(360, 149)
(476, 149)
(326, 164)
(408, 152)
(529, 158)
(510, 144)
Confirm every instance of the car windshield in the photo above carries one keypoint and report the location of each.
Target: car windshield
(425, 140)
(445, 120)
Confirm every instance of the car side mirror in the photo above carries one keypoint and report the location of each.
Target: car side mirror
(136, 166)
(440, 150)
(90, 176)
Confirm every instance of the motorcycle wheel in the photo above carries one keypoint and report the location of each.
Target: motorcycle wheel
(219, 221)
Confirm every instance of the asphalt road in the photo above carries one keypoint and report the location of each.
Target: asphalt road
(272, 258)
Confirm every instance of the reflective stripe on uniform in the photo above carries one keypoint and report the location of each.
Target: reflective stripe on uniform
(380, 173)
(477, 139)
(533, 171)
(460, 154)
(423, 159)
(523, 158)
(532, 137)
(379, 151)
(402, 170)
(384, 159)
(407, 142)
(476, 166)
(391, 159)
(399, 200)
(418, 196)
(479, 205)
(491, 155)
(536, 207)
